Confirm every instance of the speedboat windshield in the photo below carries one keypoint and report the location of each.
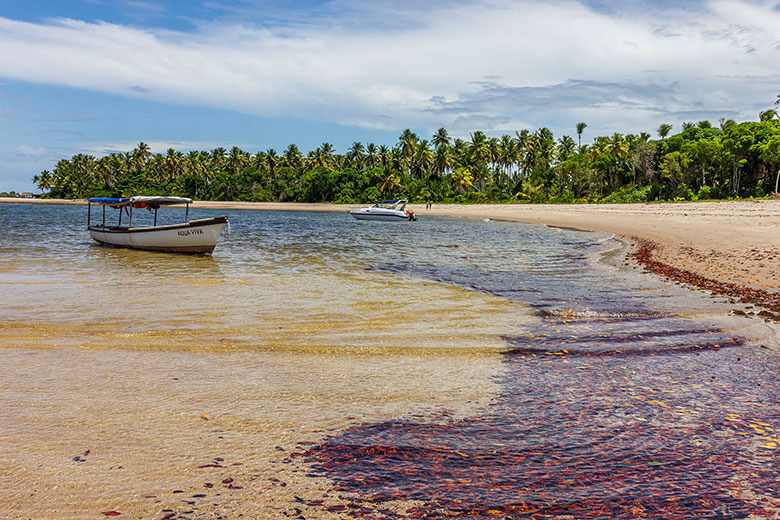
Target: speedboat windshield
(391, 204)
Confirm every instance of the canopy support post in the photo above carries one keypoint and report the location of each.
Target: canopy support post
(155, 217)
(187, 213)
(104, 215)
(89, 214)
(131, 217)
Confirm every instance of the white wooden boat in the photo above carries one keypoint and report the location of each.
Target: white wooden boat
(385, 210)
(191, 236)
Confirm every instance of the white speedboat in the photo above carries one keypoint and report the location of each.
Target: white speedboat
(190, 236)
(385, 210)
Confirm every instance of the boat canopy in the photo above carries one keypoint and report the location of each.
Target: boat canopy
(392, 201)
(162, 201)
(139, 201)
(111, 201)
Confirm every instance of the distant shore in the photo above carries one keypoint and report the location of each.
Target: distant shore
(732, 243)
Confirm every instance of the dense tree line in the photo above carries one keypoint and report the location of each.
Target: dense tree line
(700, 162)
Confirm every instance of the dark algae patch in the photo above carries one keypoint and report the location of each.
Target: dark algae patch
(682, 432)
(769, 300)
(608, 408)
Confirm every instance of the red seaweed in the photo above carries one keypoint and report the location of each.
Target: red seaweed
(667, 423)
(643, 254)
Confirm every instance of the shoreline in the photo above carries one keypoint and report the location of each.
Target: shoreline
(727, 247)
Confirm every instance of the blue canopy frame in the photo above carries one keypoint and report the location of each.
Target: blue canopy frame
(111, 201)
(150, 202)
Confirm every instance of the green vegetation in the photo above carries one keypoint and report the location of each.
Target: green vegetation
(701, 162)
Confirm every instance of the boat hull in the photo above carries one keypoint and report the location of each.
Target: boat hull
(197, 236)
(367, 214)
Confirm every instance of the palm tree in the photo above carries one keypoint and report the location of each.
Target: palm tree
(522, 138)
(565, 148)
(767, 115)
(462, 178)
(104, 170)
(194, 166)
(384, 156)
(326, 156)
(442, 159)
(141, 155)
(580, 128)
(237, 160)
(217, 158)
(494, 155)
(540, 149)
(617, 148)
(257, 162)
(355, 154)
(423, 158)
(664, 130)
(293, 158)
(441, 137)
(273, 160)
(460, 152)
(44, 180)
(479, 148)
(397, 159)
(371, 152)
(173, 161)
(390, 183)
(407, 142)
(507, 149)
(204, 160)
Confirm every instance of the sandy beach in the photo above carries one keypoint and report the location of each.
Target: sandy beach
(732, 242)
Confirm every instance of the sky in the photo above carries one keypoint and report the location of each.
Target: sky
(98, 76)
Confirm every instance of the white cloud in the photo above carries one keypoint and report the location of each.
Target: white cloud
(99, 149)
(29, 151)
(641, 69)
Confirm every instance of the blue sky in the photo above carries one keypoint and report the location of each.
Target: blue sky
(96, 76)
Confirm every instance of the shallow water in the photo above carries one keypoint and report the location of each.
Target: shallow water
(442, 368)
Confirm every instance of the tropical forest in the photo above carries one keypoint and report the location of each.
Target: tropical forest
(701, 162)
